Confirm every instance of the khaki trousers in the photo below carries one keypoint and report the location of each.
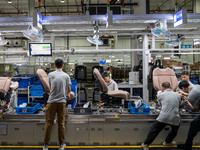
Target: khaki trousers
(51, 110)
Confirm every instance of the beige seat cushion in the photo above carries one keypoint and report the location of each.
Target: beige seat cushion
(4, 84)
(164, 75)
(101, 80)
(118, 93)
(43, 77)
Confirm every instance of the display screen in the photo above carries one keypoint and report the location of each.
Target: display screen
(40, 49)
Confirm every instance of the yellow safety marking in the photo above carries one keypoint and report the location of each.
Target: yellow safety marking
(83, 147)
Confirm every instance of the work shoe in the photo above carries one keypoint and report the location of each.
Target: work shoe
(62, 146)
(182, 146)
(173, 143)
(144, 146)
(45, 147)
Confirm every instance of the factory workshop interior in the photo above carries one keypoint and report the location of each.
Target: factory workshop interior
(99, 74)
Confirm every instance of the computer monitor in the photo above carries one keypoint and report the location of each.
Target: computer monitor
(40, 49)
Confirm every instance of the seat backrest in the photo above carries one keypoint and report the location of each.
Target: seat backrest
(43, 77)
(83, 95)
(164, 75)
(4, 84)
(100, 68)
(103, 87)
(81, 73)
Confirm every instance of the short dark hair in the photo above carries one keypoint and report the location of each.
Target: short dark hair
(59, 63)
(185, 73)
(104, 74)
(166, 85)
(184, 84)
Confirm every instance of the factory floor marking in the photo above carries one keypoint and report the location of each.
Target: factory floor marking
(93, 147)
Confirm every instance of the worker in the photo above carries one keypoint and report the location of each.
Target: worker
(10, 98)
(170, 102)
(112, 85)
(185, 77)
(193, 100)
(60, 85)
(15, 71)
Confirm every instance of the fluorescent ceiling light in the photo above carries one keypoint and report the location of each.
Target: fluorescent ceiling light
(9, 1)
(62, 1)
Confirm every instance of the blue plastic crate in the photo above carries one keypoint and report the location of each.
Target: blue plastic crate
(40, 101)
(22, 99)
(139, 110)
(36, 90)
(73, 81)
(73, 102)
(27, 110)
(24, 80)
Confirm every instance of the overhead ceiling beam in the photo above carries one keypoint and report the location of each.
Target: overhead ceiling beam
(186, 4)
(18, 10)
(2, 12)
(125, 4)
(55, 5)
(76, 5)
(158, 9)
(112, 2)
(82, 6)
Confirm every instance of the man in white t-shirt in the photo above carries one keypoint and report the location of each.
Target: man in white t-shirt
(112, 85)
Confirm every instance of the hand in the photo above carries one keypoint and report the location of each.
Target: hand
(183, 93)
(185, 100)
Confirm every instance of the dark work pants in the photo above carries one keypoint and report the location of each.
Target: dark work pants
(194, 129)
(155, 130)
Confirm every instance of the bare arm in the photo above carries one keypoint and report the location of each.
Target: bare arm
(187, 102)
(68, 89)
(183, 93)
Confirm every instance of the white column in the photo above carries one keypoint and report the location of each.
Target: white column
(153, 42)
(31, 7)
(145, 70)
(134, 45)
(197, 6)
(52, 39)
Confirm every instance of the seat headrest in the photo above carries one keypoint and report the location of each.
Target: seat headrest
(43, 77)
(80, 73)
(4, 84)
(101, 80)
(164, 75)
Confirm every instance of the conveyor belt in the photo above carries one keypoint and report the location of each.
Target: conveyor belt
(152, 147)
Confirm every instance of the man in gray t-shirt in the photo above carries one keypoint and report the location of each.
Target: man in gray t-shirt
(112, 85)
(60, 84)
(170, 102)
(193, 100)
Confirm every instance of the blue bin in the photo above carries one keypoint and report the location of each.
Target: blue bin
(27, 110)
(40, 101)
(139, 110)
(25, 80)
(73, 89)
(36, 90)
(22, 98)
